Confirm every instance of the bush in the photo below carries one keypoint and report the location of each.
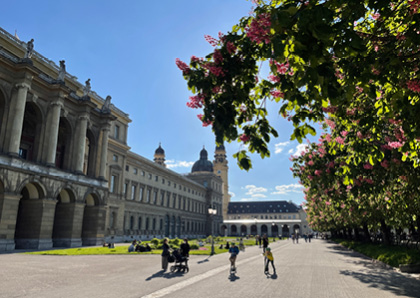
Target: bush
(194, 246)
(175, 242)
(155, 242)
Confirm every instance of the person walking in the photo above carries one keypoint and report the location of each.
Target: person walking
(165, 254)
(269, 259)
(265, 242)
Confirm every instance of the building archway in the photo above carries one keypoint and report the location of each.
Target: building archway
(223, 229)
(264, 229)
(254, 230)
(285, 232)
(274, 230)
(90, 154)
(93, 220)
(62, 155)
(33, 213)
(31, 132)
(233, 230)
(243, 230)
(67, 219)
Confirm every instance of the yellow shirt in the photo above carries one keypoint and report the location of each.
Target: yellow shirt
(269, 255)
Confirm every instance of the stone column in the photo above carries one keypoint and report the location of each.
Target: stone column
(9, 206)
(16, 115)
(104, 152)
(80, 140)
(52, 131)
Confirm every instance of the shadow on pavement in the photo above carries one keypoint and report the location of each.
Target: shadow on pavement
(203, 261)
(233, 277)
(388, 281)
(377, 274)
(165, 274)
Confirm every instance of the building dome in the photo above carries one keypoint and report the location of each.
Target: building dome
(203, 165)
(220, 148)
(159, 150)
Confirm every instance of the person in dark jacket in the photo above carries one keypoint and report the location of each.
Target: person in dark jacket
(165, 254)
(185, 250)
(265, 242)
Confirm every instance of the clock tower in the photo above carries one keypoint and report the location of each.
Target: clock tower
(220, 168)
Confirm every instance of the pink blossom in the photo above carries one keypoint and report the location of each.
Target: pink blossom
(368, 180)
(311, 163)
(368, 166)
(339, 140)
(318, 172)
(205, 123)
(217, 56)
(196, 101)
(244, 138)
(217, 71)
(414, 85)
(231, 48)
(395, 145)
(196, 59)
(385, 163)
(360, 135)
(259, 29)
(330, 109)
(274, 79)
(277, 93)
(328, 203)
(330, 123)
(211, 40)
(328, 137)
(376, 16)
(182, 66)
(344, 133)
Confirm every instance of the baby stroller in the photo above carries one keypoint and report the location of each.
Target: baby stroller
(178, 261)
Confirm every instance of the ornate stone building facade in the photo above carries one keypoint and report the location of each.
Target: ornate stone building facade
(274, 218)
(67, 175)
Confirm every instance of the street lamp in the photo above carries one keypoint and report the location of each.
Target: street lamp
(212, 212)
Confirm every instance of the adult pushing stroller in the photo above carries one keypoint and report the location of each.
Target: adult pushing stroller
(180, 262)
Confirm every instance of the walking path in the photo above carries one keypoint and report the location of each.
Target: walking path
(313, 270)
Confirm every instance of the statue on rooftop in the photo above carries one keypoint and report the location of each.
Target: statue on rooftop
(107, 103)
(86, 89)
(62, 71)
(29, 49)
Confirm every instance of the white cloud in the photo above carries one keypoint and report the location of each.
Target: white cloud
(170, 164)
(246, 199)
(255, 192)
(285, 189)
(232, 194)
(290, 151)
(299, 149)
(279, 147)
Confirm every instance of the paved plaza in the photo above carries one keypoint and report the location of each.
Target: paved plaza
(315, 270)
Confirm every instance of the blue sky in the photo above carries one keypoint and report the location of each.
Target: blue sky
(128, 50)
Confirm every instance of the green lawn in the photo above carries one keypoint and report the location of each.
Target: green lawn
(122, 249)
(391, 255)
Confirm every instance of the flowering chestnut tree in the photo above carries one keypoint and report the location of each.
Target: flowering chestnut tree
(321, 54)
